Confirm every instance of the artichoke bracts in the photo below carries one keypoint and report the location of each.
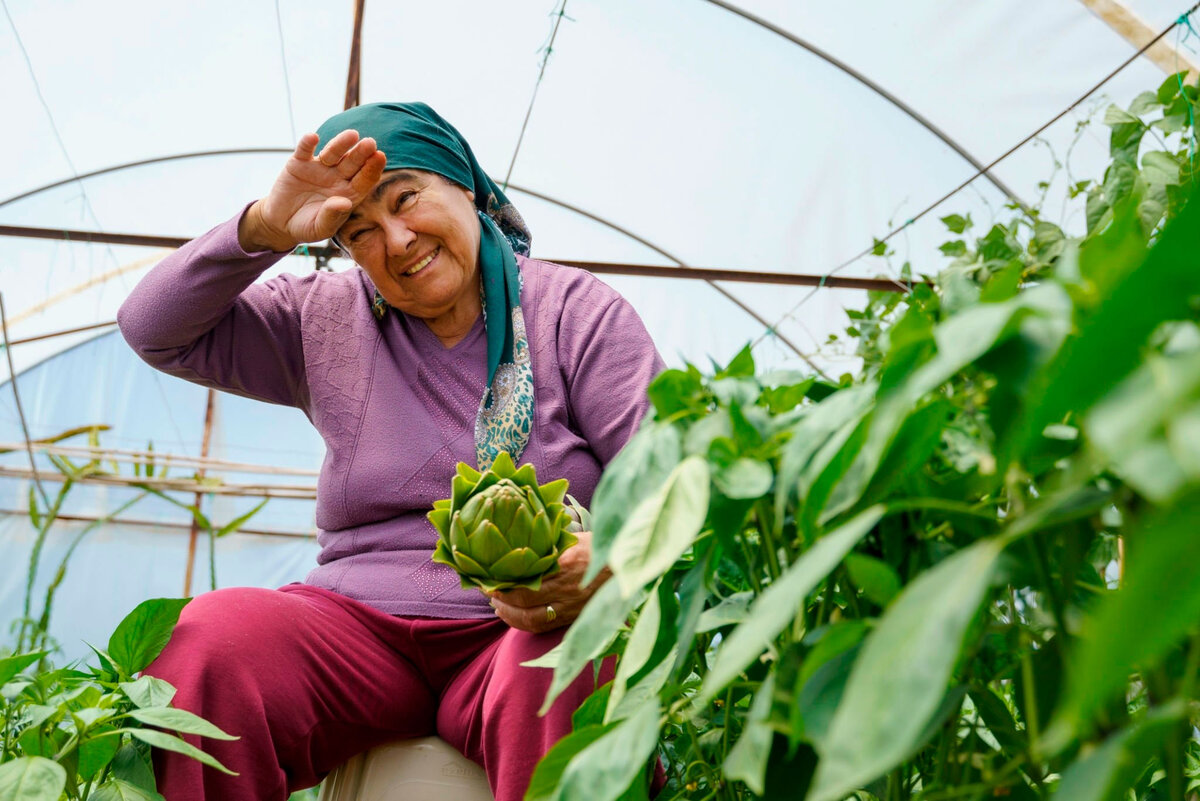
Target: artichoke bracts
(499, 529)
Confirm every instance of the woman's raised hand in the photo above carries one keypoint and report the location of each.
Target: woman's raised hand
(313, 196)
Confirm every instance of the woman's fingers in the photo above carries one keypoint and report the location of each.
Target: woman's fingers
(332, 214)
(364, 180)
(306, 146)
(355, 157)
(337, 147)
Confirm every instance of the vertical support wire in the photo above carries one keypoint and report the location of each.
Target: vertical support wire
(12, 380)
(549, 50)
(62, 146)
(287, 85)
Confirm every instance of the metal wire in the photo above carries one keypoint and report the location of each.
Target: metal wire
(533, 98)
(987, 167)
(12, 380)
(287, 86)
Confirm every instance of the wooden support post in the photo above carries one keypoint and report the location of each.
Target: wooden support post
(352, 77)
(194, 533)
(1134, 30)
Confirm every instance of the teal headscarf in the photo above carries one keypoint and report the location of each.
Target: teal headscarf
(414, 136)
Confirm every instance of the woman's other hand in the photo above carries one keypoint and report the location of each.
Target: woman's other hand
(527, 610)
(313, 196)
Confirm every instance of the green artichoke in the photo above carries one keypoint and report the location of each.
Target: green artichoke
(499, 529)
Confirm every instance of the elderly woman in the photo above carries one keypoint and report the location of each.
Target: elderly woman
(448, 344)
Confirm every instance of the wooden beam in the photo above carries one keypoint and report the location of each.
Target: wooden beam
(1137, 32)
(354, 74)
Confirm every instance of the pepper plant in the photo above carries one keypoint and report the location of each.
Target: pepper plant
(971, 571)
(84, 733)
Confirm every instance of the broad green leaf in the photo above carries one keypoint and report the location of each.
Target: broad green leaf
(779, 604)
(741, 366)
(603, 769)
(647, 685)
(96, 752)
(747, 760)
(957, 223)
(901, 675)
(661, 528)
(148, 691)
(744, 478)
(1133, 626)
(1144, 103)
(875, 578)
(169, 742)
(809, 448)
(1127, 429)
(144, 632)
(1107, 773)
(638, 648)
(132, 768)
(1041, 316)
(1133, 296)
(117, 790)
(1160, 168)
(31, 779)
(733, 609)
(995, 715)
(637, 471)
(588, 637)
(12, 665)
(548, 773)
(179, 720)
(591, 711)
(820, 695)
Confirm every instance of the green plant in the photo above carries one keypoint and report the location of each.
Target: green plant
(84, 733)
(943, 578)
(500, 529)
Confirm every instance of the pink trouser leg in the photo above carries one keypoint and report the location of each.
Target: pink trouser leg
(305, 679)
(308, 678)
(489, 711)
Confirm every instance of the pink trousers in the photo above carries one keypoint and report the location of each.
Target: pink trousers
(308, 678)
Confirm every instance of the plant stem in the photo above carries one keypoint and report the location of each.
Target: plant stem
(1037, 549)
(1173, 762)
(1031, 710)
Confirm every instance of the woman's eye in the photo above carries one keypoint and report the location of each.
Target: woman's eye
(403, 198)
(357, 235)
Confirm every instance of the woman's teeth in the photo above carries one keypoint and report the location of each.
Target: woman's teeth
(423, 263)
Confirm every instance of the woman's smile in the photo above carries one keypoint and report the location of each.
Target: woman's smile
(423, 263)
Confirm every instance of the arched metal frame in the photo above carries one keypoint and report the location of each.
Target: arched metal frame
(908, 110)
(532, 193)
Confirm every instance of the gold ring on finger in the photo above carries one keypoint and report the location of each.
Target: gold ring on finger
(550, 614)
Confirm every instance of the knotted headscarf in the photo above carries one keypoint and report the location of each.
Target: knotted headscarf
(414, 136)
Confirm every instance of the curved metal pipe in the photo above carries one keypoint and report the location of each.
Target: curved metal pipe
(879, 90)
(547, 198)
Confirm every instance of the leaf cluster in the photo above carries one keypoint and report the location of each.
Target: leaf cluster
(84, 732)
(945, 577)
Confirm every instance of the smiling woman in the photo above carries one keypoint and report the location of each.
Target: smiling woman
(417, 237)
(448, 345)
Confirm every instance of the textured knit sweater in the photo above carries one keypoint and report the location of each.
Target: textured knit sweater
(395, 407)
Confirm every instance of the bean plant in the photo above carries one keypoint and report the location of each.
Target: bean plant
(970, 571)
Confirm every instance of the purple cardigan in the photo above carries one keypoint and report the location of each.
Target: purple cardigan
(395, 407)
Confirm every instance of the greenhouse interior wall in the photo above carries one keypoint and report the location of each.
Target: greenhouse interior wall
(714, 139)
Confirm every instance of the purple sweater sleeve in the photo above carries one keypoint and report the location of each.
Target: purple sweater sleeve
(199, 315)
(608, 360)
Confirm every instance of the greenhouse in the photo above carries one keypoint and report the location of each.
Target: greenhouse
(840, 374)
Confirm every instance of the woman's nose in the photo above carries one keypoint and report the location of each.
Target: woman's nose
(398, 236)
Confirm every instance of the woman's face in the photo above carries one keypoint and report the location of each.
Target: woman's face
(417, 237)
